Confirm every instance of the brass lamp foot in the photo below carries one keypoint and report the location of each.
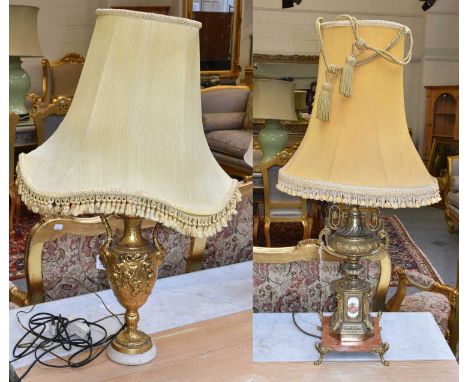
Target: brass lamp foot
(131, 265)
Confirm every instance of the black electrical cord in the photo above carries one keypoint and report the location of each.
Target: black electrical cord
(44, 343)
(302, 330)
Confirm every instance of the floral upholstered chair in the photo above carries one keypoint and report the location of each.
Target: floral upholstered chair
(61, 252)
(234, 243)
(297, 279)
(60, 256)
(439, 299)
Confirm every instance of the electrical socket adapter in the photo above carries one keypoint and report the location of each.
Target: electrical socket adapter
(79, 329)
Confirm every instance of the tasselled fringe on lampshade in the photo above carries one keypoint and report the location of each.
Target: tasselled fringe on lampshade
(132, 142)
(363, 155)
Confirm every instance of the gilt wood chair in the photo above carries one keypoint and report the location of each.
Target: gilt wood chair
(452, 195)
(48, 120)
(227, 122)
(60, 256)
(59, 79)
(281, 207)
(297, 279)
(439, 299)
(15, 201)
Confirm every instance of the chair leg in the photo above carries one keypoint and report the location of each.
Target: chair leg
(266, 230)
(256, 220)
(17, 203)
(305, 224)
(12, 215)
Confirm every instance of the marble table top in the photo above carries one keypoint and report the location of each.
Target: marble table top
(411, 336)
(175, 301)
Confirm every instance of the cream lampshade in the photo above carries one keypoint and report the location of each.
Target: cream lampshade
(24, 42)
(357, 152)
(132, 144)
(273, 101)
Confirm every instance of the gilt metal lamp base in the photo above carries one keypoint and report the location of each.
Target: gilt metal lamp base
(131, 264)
(330, 343)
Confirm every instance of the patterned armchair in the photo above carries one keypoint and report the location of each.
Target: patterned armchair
(15, 202)
(438, 299)
(452, 198)
(48, 120)
(297, 279)
(227, 113)
(234, 243)
(59, 79)
(61, 252)
(60, 256)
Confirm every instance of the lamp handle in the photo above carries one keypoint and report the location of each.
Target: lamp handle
(155, 240)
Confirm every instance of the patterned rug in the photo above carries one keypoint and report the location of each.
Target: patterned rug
(403, 250)
(18, 241)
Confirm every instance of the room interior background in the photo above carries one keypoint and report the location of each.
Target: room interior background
(66, 26)
(435, 56)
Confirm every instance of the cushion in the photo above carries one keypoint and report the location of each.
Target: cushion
(435, 303)
(454, 198)
(230, 142)
(222, 121)
(227, 100)
(228, 160)
(455, 184)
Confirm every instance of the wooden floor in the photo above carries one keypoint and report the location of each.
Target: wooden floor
(220, 350)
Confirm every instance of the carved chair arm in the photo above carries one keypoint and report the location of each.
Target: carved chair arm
(421, 282)
(17, 296)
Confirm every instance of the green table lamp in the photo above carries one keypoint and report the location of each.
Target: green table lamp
(273, 101)
(23, 43)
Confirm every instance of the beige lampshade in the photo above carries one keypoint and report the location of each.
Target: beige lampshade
(132, 141)
(24, 41)
(364, 154)
(274, 99)
(300, 97)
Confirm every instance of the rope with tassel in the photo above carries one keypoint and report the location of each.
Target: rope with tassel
(358, 47)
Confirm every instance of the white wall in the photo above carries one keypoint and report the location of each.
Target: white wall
(292, 31)
(246, 33)
(66, 26)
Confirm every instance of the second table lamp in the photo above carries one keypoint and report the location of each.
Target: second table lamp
(357, 154)
(132, 144)
(273, 101)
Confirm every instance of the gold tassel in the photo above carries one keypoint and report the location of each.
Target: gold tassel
(324, 101)
(346, 83)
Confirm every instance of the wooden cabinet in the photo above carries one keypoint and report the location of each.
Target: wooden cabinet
(441, 115)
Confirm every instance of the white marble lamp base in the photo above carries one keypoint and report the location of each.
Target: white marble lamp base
(131, 359)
